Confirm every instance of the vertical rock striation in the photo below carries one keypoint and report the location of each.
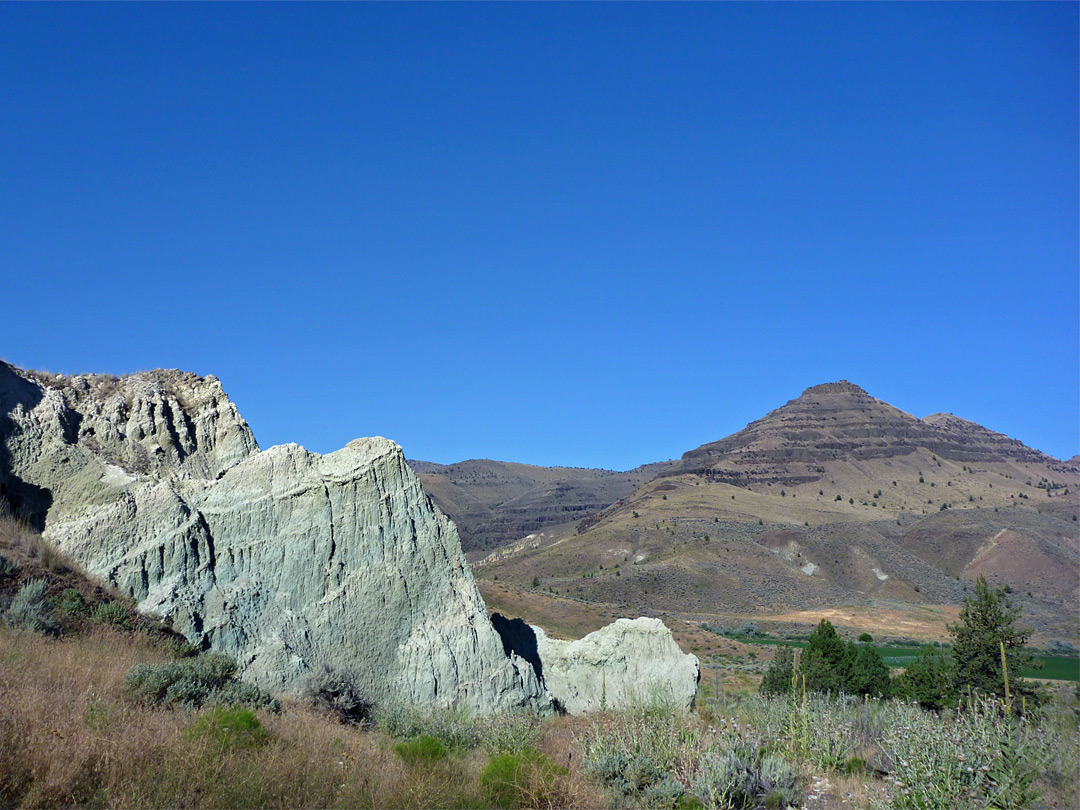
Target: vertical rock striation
(286, 559)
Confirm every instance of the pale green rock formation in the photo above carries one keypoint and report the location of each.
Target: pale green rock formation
(631, 661)
(288, 560)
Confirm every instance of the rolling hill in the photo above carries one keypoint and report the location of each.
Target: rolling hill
(499, 502)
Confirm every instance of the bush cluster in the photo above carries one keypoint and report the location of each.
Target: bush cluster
(31, 609)
(653, 759)
(978, 757)
(338, 693)
(1059, 647)
(113, 613)
(828, 665)
(507, 733)
(745, 778)
(987, 652)
(71, 603)
(422, 749)
(519, 779)
(207, 680)
(229, 728)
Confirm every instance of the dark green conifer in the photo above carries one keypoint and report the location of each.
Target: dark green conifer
(928, 680)
(869, 674)
(777, 679)
(988, 621)
(828, 660)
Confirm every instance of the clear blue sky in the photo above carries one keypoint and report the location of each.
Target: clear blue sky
(582, 234)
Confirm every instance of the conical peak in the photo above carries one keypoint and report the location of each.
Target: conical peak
(841, 387)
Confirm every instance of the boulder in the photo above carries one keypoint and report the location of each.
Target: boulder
(630, 661)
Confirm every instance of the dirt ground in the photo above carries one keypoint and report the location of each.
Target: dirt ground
(926, 623)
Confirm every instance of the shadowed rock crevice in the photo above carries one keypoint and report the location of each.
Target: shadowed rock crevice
(519, 638)
(22, 499)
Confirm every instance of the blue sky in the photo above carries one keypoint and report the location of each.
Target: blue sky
(581, 234)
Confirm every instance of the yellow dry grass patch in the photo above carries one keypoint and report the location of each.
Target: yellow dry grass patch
(926, 622)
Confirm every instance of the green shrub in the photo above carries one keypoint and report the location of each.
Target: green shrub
(856, 766)
(209, 679)
(511, 732)
(454, 728)
(869, 675)
(988, 622)
(422, 749)
(7, 566)
(826, 664)
(112, 613)
(514, 780)
(229, 728)
(778, 676)
(71, 603)
(927, 680)
(31, 609)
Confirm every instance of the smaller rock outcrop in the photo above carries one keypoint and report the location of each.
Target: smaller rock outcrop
(628, 661)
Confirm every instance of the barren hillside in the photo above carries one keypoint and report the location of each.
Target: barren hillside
(834, 499)
(498, 502)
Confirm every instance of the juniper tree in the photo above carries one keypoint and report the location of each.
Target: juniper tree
(988, 621)
(869, 674)
(777, 678)
(928, 680)
(828, 660)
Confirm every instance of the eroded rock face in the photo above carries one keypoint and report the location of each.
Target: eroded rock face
(286, 559)
(629, 661)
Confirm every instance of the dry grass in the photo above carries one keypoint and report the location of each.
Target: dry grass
(560, 617)
(36, 554)
(70, 736)
(927, 622)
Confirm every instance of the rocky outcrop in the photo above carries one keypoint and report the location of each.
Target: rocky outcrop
(288, 560)
(629, 661)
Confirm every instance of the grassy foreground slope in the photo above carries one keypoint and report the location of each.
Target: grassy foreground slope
(74, 733)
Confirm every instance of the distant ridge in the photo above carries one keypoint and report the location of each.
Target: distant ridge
(498, 502)
(835, 499)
